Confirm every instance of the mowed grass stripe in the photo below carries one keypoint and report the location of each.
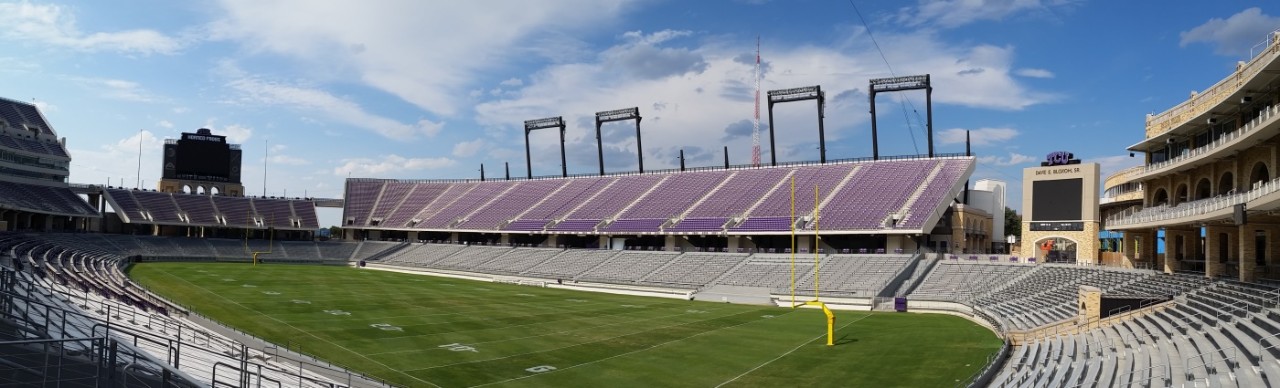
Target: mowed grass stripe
(594, 341)
(516, 366)
(716, 355)
(869, 354)
(482, 337)
(551, 343)
(221, 308)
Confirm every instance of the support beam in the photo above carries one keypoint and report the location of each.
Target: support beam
(619, 115)
(799, 94)
(549, 122)
(895, 84)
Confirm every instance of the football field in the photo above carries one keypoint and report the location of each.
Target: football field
(424, 331)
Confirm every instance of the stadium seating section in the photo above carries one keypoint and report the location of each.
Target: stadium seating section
(885, 195)
(44, 199)
(20, 116)
(150, 207)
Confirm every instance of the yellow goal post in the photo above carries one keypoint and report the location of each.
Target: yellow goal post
(817, 258)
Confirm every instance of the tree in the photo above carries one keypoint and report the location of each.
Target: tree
(1012, 223)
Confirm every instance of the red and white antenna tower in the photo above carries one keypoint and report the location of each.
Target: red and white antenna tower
(755, 129)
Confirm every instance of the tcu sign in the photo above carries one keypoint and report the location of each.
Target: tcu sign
(1059, 158)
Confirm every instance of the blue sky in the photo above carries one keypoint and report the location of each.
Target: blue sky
(431, 89)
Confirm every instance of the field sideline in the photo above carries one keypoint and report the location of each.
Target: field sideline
(424, 331)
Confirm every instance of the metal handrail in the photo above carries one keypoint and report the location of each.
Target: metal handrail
(1150, 376)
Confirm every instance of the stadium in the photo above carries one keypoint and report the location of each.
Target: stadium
(879, 270)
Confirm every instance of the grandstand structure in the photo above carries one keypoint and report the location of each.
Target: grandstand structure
(1209, 179)
(34, 165)
(875, 204)
(200, 215)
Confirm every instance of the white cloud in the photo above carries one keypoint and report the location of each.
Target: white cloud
(117, 161)
(166, 124)
(288, 160)
(371, 40)
(117, 89)
(468, 148)
(1013, 159)
(321, 102)
(365, 167)
(512, 82)
(978, 137)
(1108, 165)
(1034, 73)
(235, 133)
(55, 26)
(956, 13)
(1235, 35)
(44, 106)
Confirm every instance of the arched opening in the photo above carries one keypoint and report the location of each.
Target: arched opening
(1180, 194)
(199, 189)
(1226, 184)
(1258, 174)
(1056, 250)
(1203, 190)
(186, 189)
(214, 191)
(1161, 197)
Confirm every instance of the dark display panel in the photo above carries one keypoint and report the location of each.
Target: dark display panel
(1057, 200)
(203, 158)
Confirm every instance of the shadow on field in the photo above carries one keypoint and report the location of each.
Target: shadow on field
(844, 339)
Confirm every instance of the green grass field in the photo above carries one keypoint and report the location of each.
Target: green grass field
(399, 327)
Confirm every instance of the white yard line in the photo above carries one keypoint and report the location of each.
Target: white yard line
(787, 353)
(571, 345)
(624, 354)
(617, 323)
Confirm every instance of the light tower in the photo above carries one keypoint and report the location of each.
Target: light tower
(755, 129)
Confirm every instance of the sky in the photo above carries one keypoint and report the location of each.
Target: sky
(319, 91)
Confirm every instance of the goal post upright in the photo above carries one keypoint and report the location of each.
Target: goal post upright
(793, 242)
(817, 243)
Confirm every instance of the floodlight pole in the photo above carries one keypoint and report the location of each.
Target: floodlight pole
(682, 159)
(726, 156)
(482, 172)
(533, 125)
(822, 134)
(875, 140)
(895, 84)
(619, 115)
(798, 94)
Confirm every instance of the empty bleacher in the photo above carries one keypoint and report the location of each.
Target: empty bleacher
(736, 201)
(151, 207)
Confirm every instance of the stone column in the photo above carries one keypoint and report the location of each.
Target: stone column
(670, 245)
(1248, 253)
(1090, 305)
(733, 243)
(1213, 260)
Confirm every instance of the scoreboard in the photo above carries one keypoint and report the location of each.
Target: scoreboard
(202, 156)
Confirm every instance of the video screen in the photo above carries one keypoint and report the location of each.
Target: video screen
(1057, 200)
